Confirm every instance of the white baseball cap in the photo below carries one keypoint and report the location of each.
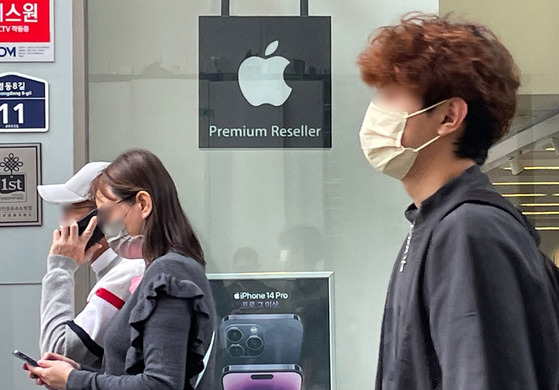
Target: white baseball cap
(76, 189)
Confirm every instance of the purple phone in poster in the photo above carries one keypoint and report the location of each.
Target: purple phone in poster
(262, 377)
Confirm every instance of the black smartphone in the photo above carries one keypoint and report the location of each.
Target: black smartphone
(261, 338)
(25, 358)
(97, 233)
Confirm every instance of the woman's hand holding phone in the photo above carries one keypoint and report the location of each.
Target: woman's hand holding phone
(55, 356)
(53, 370)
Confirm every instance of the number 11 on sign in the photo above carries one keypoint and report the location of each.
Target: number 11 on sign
(4, 109)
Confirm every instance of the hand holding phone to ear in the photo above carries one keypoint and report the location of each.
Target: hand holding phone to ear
(67, 241)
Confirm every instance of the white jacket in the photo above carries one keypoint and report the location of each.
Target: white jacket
(81, 337)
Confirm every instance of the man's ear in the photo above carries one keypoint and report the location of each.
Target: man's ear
(454, 113)
(143, 198)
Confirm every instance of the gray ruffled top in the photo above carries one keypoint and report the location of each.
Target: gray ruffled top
(160, 337)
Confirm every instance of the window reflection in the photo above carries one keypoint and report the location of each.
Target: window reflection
(530, 180)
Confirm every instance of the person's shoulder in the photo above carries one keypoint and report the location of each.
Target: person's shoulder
(480, 219)
(174, 273)
(131, 266)
(486, 228)
(177, 265)
(125, 270)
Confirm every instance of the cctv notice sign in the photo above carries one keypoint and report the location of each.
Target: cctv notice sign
(20, 173)
(265, 82)
(26, 30)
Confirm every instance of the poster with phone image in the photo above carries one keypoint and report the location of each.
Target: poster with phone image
(275, 331)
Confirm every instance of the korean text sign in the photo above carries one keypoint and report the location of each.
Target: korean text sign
(26, 31)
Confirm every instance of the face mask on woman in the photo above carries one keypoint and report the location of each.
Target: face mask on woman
(381, 140)
(122, 242)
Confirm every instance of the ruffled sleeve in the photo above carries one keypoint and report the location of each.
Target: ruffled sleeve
(150, 290)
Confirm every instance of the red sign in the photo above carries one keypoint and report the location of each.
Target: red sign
(24, 21)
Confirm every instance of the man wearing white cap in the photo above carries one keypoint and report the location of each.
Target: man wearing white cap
(80, 337)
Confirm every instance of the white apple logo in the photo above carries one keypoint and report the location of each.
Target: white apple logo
(261, 80)
(237, 295)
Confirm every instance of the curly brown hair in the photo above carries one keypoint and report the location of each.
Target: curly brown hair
(441, 59)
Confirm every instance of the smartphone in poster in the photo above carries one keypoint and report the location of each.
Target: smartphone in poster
(262, 376)
(275, 331)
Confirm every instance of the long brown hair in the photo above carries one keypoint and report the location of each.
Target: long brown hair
(167, 227)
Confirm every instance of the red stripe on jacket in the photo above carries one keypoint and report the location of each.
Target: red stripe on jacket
(108, 296)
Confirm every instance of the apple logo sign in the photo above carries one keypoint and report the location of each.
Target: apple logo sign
(237, 295)
(261, 79)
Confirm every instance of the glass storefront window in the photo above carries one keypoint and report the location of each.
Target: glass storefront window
(286, 210)
(267, 209)
(530, 180)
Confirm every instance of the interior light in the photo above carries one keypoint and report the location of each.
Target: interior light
(541, 213)
(547, 228)
(540, 204)
(524, 195)
(536, 168)
(526, 183)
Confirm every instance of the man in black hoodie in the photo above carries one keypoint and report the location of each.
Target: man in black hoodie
(469, 305)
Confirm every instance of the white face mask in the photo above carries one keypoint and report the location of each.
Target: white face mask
(120, 241)
(381, 140)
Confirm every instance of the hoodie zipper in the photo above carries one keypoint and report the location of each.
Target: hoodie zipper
(404, 261)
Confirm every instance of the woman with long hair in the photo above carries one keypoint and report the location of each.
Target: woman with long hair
(162, 338)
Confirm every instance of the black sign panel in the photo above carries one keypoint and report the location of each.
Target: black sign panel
(275, 331)
(265, 82)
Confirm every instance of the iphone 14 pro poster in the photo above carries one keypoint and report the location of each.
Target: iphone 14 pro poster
(265, 82)
(275, 331)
